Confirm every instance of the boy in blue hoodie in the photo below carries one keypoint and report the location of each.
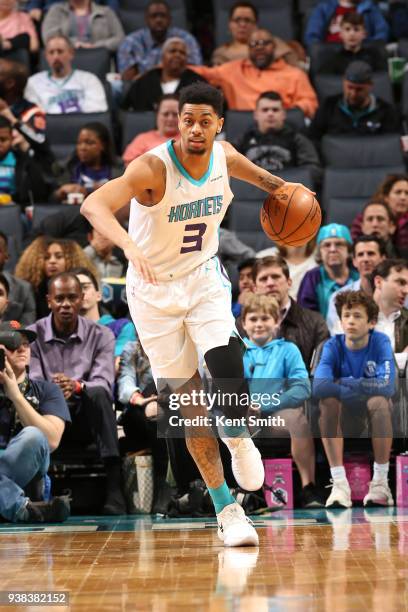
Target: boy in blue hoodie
(275, 367)
(354, 380)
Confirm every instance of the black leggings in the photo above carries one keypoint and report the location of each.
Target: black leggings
(226, 367)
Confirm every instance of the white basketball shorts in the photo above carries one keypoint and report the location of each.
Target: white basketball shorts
(178, 320)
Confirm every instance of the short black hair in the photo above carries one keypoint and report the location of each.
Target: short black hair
(4, 238)
(244, 5)
(270, 95)
(385, 268)
(5, 123)
(202, 93)
(163, 2)
(370, 238)
(5, 283)
(63, 276)
(246, 263)
(86, 272)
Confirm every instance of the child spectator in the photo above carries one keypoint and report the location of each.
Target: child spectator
(275, 366)
(324, 22)
(272, 143)
(92, 164)
(352, 35)
(354, 381)
(44, 258)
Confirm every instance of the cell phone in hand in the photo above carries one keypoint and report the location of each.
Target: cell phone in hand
(2, 359)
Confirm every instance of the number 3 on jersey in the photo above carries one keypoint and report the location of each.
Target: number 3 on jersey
(195, 240)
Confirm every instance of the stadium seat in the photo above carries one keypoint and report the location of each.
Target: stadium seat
(17, 55)
(97, 61)
(41, 211)
(135, 123)
(256, 240)
(62, 130)
(354, 182)
(276, 16)
(343, 210)
(361, 151)
(329, 85)
(246, 191)
(11, 224)
(237, 122)
(244, 216)
(133, 18)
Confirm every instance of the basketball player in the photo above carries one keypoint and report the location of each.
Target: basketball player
(178, 294)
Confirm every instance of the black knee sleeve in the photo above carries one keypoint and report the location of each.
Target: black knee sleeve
(226, 367)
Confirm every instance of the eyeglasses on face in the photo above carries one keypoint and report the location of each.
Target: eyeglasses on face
(260, 43)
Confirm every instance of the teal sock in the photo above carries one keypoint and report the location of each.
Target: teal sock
(221, 497)
(234, 431)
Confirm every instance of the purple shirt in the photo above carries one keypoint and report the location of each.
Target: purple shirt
(86, 355)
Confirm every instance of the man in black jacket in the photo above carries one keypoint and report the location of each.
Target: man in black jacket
(273, 144)
(357, 110)
(305, 328)
(173, 75)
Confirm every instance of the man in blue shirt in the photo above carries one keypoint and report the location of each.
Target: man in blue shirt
(33, 415)
(355, 380)
(141, 50)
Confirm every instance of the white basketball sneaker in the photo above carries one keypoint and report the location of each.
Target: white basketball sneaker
(379, 494)
(235, 528)
(340, 497)
(247, 465)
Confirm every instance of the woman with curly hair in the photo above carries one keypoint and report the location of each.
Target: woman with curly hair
(44, 258)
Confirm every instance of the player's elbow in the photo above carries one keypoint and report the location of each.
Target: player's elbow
(86, 207)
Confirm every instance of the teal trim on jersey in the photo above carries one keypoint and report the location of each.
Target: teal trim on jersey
(223, 279)
(184, 172)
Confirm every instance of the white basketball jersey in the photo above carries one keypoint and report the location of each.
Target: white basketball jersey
(181, 232)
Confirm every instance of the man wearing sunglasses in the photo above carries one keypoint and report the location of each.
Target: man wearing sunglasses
(242, 81)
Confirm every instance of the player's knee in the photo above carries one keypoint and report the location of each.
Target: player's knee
(226, 361)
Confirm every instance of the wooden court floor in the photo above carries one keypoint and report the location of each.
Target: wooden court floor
(315, 560)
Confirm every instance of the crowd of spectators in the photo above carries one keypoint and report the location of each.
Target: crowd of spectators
(334, 310)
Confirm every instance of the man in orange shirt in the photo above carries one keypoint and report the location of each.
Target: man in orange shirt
(242, 81)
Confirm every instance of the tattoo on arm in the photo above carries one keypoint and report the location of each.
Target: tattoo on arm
(269, 182)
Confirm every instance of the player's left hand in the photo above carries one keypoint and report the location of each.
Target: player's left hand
(142, 265)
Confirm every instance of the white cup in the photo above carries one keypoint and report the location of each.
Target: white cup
(75, 198)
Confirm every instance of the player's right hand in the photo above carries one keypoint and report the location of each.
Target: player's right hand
(142, 266)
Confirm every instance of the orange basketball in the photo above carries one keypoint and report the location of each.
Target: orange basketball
(291, 216)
